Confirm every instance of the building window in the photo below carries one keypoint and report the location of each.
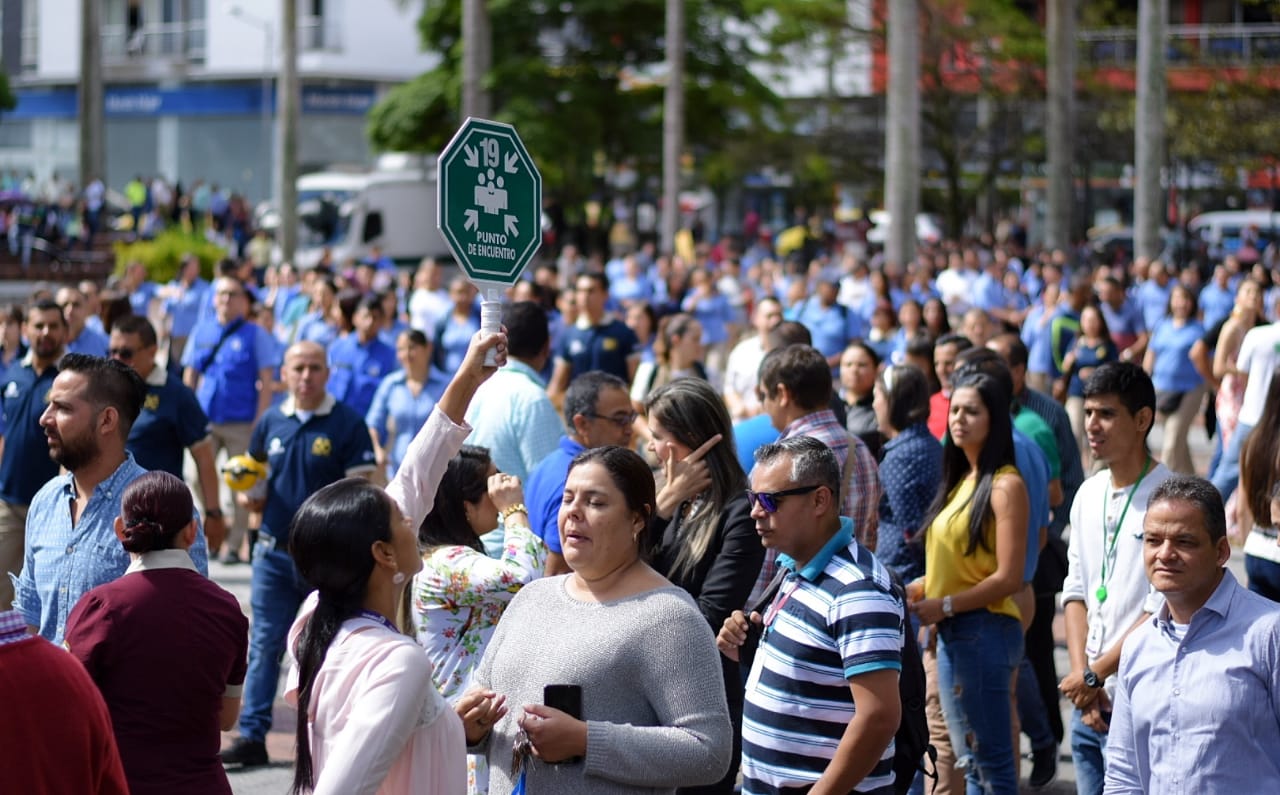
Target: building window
(318, 25)
(30, 49)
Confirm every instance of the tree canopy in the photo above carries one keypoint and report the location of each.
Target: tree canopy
(582, 80)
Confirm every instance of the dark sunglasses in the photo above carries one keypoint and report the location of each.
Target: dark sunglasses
(124, 354)
(769, 499)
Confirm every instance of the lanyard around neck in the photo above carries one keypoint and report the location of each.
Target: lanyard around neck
(1109, 540)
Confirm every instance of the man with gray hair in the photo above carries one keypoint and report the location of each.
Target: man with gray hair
(822, 700)
(597, 412)
(1199, 681)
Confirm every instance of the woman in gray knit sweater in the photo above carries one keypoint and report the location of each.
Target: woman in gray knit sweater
(653, 707)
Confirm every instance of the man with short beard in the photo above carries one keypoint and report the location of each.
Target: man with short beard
(71, 539)
(24, 455)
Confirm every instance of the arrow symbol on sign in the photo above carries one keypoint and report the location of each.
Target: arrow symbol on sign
(509, 226)
(512, 160)
(473, 220)
(470, 156)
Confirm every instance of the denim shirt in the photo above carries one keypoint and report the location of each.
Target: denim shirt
(63, 562)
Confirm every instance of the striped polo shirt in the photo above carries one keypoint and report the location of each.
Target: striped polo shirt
(833, 619)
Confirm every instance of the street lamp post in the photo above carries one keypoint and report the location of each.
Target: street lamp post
(268, 39)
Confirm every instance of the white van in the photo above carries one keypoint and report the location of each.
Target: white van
(1224, 231)
(393, 206)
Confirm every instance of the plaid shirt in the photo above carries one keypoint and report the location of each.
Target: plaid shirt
(13, 627)
(861, 494)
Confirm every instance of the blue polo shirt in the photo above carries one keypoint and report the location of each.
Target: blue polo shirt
(545, 491)
(832, 327)
(306, 453)
(171, 420)
(185, 309)
(605, 347)
(141, 298)
(356, 369)
(228, 392)
(89, 342)
(1033, 466)
(26, 465)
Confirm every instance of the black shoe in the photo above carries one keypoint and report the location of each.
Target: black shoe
(246, 753)
(230, 558)
(1044, 767)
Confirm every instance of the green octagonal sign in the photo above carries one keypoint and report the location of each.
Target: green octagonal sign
(490, 201)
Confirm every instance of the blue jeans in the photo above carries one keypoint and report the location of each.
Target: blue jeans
(1227, 476)
(1264, 577)
(977, 654)
(275, 594)
(1088, 752)
(1032, 713)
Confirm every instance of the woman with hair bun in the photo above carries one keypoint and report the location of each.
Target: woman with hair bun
(165, 645)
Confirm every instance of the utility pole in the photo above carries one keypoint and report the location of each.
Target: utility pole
(90, 97)
(1061, 130)
(1153, 19)
(288, 98)
(902, 132)
(477, 58)
(672, 125)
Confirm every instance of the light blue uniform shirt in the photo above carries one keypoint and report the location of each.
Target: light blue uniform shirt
(187, 308)
(64, 562)
(1197, 708)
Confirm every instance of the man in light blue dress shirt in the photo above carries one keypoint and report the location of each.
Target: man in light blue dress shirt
(1197, 704)
(71, 540)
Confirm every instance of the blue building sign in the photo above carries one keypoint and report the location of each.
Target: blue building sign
(194, 100)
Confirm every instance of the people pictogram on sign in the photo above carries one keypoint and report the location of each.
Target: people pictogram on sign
(490, 194)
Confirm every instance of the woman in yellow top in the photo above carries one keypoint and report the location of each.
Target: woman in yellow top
(975, 545)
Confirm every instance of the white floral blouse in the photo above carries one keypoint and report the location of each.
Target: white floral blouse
(459, 596)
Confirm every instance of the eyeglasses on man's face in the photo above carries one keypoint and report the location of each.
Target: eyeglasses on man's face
(621, 420)
(769, 499)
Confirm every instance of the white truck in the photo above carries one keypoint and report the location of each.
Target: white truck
(392, 206)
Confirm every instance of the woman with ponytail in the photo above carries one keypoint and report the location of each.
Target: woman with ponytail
(371, 720)
(165, 645)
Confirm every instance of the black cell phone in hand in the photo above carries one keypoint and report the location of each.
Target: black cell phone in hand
(566, 698)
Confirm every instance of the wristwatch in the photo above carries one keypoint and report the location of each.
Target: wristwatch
(213, 513)
(946, 607)
(1091, 679)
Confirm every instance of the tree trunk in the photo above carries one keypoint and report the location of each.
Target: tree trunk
(672, 124)
(92, 142)
(477, 57)
(1149, 144)
(288, 98)
(902, 132)
(1061, 122)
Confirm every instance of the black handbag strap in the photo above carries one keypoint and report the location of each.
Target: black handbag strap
(208, 358)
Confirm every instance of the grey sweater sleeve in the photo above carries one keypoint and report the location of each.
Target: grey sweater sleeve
(681, 679)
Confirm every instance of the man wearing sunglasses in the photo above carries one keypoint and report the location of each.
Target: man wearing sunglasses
(795, 391)
(171, 419)
(823, 713)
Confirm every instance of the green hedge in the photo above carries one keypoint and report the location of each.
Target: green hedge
(163, 254)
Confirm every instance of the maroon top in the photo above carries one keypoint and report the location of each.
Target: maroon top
(162, 646)
(56, 735)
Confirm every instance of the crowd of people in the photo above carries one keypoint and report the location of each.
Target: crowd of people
(692, 533)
